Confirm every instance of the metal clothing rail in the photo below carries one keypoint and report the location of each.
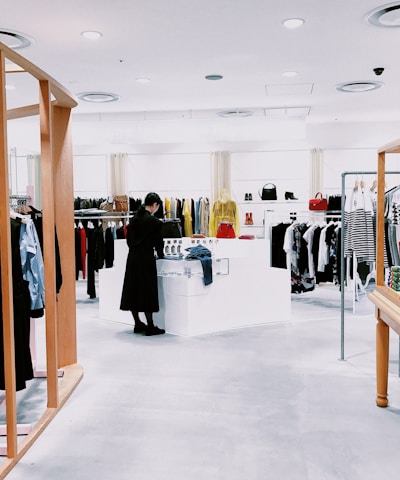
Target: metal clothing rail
(342, 259)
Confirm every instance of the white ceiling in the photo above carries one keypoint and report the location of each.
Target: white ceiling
(175, 43)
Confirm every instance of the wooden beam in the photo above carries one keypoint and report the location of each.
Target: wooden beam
(46, 124)
(62, 95)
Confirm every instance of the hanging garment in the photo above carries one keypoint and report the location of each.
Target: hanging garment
(224, 210)
(21, 306)
(204, 216)
(187, 215)
(359, 227)
(32, 264)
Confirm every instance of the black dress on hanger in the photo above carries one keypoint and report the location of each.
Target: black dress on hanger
(22, 305)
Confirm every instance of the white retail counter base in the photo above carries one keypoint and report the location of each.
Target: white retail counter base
(244, 291)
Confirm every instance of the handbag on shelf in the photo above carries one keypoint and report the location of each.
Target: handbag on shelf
(120, 203)
(268, 192)
(318, 203)
(116, 203)
(171, 228)
(225, 230)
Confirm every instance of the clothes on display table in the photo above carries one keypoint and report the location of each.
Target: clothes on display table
(199, 252)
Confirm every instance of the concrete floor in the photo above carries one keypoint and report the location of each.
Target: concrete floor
(266, 402)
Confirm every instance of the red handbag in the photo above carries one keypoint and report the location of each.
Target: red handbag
(318, 203)
(225, 230)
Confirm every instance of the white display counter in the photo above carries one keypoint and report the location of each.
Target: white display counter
(244, 291)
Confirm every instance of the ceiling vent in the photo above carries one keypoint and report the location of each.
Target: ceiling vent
(98, 97)
(385, 16)
(356, 87)
(235, 113)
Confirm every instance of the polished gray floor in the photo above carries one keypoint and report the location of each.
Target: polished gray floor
(265, 402)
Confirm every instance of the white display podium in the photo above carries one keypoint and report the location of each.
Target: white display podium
(244, 290)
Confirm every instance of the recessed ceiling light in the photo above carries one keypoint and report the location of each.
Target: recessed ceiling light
(386, 16)
(292, 23)
(291, 73)
(98, 97)
(355, 87)
(14, 40)
(143, 80)
(91, 35)
(235, 113)
(214, 77)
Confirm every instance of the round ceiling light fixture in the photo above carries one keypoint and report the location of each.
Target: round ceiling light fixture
(292, 23)
(14, 40)
(235, 113)
(290, 73)
(356, 87)
(91, 34)
(385, 16)
(214, 77)
(98, 97)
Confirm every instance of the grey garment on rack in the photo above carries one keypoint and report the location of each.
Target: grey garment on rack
(393, 243)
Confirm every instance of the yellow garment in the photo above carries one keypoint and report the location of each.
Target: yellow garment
(167, 207)
(187, 215)
(224, 210)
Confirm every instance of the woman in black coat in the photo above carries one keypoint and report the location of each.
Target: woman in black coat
(140, 289)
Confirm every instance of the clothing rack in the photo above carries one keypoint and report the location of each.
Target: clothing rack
(18, 200)
(342, 258)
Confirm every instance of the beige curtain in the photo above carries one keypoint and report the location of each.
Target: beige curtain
(220, 174)
(35, 180)
(118, 169)
(316, 171)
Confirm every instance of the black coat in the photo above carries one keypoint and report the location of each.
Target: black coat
(140, 290)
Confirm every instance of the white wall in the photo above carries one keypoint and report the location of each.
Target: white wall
(173, 156)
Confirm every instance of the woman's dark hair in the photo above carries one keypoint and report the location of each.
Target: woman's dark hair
(152, 198)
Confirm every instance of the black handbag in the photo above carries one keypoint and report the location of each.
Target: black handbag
(268, 192)
(171, 228)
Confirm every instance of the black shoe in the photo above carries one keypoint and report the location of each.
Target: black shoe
(290, 196)
(250, 197)
(140, 327)
(154, 331)
(246, 197)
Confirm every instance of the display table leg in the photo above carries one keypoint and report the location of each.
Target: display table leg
(382, 362)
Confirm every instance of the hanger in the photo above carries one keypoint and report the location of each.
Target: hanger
(18, 216)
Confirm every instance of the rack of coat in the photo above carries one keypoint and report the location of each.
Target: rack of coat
(311, 249)
(81, 203)
(28, 294)
(94, 244)
(392, 227)
(194, 215)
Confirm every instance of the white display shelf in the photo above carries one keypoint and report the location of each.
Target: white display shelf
(248, 293)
